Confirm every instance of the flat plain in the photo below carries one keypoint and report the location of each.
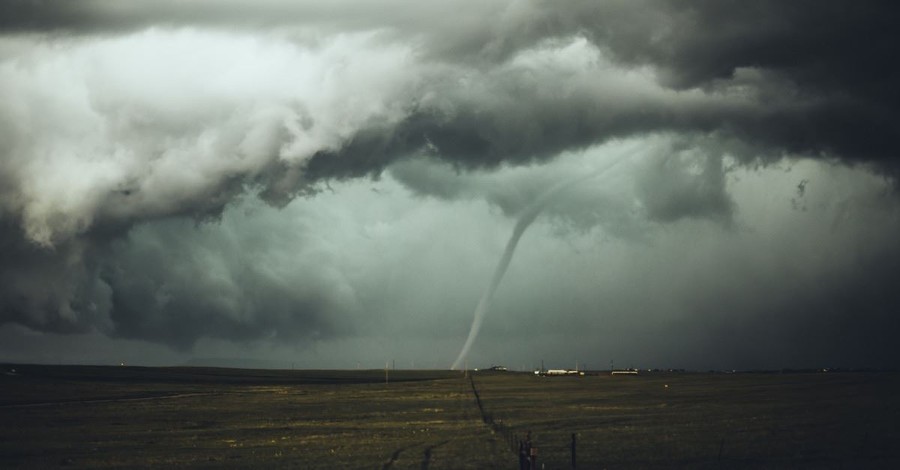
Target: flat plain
(119, 417)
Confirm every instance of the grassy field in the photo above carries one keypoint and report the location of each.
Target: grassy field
(830, 420)
(101, 417)
(138, 417)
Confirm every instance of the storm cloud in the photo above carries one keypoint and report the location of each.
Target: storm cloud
(332, 173)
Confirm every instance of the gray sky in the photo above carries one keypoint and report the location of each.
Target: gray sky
(332, 184)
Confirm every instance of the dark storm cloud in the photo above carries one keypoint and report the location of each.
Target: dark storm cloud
(50, 290)
(823, 72)
(173, 283)
(817, 311)
(811, 78)
(109, 16)
(818, 75)
(130, 114)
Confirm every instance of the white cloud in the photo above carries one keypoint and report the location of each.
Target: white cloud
(167, 117)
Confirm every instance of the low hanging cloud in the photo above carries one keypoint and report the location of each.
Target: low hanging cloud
(175, 123)
(201, 114)
(124, 125)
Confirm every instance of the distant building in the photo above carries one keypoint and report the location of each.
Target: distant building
(559, 372)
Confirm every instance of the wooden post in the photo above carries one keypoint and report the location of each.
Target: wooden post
(523, 458)
(574, 466)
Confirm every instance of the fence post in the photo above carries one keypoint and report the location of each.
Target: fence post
(574, 465)
(523, 458)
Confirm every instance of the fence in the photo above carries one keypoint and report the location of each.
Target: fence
(524, 448)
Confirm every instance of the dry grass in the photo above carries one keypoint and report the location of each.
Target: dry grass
(705, 420)
(426, 422)
(133, 417)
